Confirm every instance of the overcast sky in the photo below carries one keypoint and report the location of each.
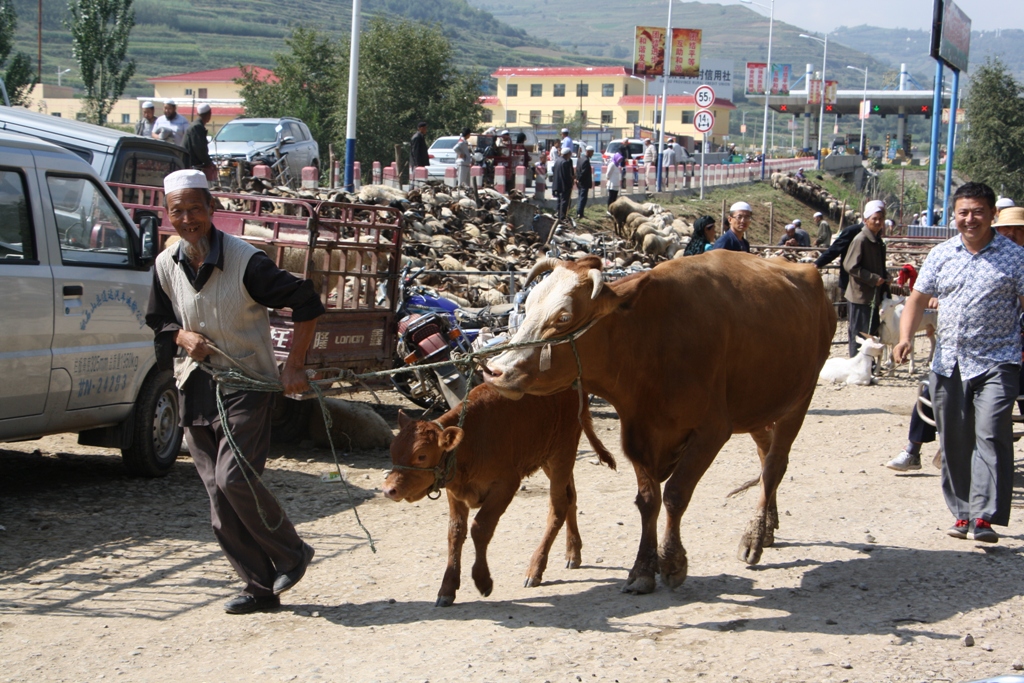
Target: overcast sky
(825, 15)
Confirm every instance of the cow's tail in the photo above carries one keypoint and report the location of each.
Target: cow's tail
(588, 428)
(749, 485)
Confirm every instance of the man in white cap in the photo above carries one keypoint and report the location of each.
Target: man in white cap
(788, 238)
(865, 263)
(978, 278)
(739, 221)
(213, 290)
(650, 152)
(197, 146)
(584, 179)
(145, 125)
(172, 125)
(1003, 203)
(566, 143)
(562, 182)
(802, 238)
(824, 237)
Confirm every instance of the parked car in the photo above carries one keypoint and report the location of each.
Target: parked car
(116, 156)
(76, 274)
(631, 148)
(237, 138)
(441, 155)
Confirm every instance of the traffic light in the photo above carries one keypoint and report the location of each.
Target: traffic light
(876, 108)
(828, 107)
(926, 110)
(782, 107)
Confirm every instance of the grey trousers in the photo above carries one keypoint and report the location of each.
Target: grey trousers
(976, 435)
(256, 553)
(858, 318)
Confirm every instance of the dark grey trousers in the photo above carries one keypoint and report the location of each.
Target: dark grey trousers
(256, 553)
(976, 435)
(562, 205)
(858, 317)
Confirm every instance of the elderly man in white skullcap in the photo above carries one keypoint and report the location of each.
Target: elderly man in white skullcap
(209, 302)
(145, 125)
(739, 220)
(865, 263)
(1003, 203)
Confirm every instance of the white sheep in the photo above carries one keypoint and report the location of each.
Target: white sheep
(889, 313)
(856, 370)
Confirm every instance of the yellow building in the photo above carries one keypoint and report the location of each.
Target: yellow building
(546, 98)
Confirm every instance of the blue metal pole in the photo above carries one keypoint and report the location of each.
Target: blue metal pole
(950, 141)
(353, 96)
(933, 159)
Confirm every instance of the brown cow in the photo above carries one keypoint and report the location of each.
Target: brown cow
(501, 442)
(689, 353)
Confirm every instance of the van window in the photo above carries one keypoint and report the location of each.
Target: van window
(140, 169)
(17, 241)
(89, 229)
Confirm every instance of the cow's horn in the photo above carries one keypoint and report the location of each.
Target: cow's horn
(595, 276)
(543, 266)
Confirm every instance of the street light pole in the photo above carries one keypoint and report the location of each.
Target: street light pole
(863, 106)
(768, 89)
(821, 113)
(666, 67)
(643, 104)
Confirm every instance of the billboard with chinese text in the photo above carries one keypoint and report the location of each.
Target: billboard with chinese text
(760, 80)
(951, 35)
(649, 51)
(685, 52)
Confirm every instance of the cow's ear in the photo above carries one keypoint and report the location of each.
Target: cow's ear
(621, 294)
(403, 419)
(450, 438)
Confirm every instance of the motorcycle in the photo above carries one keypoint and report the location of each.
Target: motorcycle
(233, 170)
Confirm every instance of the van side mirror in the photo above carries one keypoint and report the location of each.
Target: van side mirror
(149, 231)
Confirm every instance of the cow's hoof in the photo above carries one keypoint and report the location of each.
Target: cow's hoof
(574, 563)
(444, 601)
(640, 585)
(750, 550)
(769, 539)
(532, 582)
(674, 579)
(484, 584)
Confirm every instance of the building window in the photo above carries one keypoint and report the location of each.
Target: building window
(188, 91)
(511, 89)
(582, 90)
(633, 116)
(510, 116)
(535, 117)
(55, 113)
(687, 117)
(558, 117)
(608, 90)
(657, 117)
(559, 90)
(126, 118)
(536, 90)
(487, 116)
(202, 93)
(80, 116)
(606, 117)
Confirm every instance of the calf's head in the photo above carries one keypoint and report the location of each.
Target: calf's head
(419, 448)
(568, 300)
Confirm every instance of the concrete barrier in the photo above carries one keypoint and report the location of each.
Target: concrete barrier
(357, 176)
(450, 176)
(521, 178)
(476, 176)
(499, 179)
(377, 177)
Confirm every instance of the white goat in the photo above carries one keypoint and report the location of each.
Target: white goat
(889, 313)
(856, 370)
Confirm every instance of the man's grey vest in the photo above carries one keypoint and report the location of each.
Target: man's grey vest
(223, 312)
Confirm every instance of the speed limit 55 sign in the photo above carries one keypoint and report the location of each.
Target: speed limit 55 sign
(704, 96)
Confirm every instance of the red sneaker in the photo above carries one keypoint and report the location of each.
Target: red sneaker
(960, 529)
(982, 531)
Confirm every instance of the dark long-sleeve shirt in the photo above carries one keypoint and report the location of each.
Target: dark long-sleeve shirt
(267, 284)
(196, 145)
(584, 172)
(418, 155)
(838, 250)
(561, 177)
(865, 262)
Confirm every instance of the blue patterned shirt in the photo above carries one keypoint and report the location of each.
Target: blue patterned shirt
(978, 304)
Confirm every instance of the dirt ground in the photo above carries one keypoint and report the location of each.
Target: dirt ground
(107, 577)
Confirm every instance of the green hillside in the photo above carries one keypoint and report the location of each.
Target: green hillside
(176, 36)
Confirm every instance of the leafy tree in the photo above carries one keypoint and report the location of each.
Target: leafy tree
(993, 148)
(17, 72)
(99, 40)
(306, 85)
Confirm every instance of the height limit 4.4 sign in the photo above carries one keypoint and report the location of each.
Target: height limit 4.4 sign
(704, 121)
(704, 96)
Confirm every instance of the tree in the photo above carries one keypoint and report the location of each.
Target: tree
(99, 41)
(306, 85)
(17, 73)
(993, 148)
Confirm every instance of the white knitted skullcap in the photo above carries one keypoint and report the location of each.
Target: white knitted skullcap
(203, 108)
(171, 102)
(186, 179)
(871, 208)
(1004, 203)
(740, 206)
(147, 105)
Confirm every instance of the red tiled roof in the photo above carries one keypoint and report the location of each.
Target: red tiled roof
(226, 75)
(560, 71)
(673, 100)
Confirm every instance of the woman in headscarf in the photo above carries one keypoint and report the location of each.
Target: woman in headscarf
(703, 236)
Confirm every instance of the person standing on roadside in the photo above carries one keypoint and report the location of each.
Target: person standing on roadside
(145, 125)
(463, 158)
(739, 220)
(561, 183)
(197, 145)
(584, 179)
(171, 126)
(865, 262)
(613, 177)
(418, 155)
(978, 278)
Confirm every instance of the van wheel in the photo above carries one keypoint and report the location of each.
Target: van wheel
(289, 419)
(157, 438)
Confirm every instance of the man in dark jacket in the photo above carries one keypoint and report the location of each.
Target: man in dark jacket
(838, 250)
(197, 146)
(561, 182)
(584, 179)
(865, 263)
(418, 155)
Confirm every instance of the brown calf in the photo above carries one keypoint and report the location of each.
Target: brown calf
(501, 442)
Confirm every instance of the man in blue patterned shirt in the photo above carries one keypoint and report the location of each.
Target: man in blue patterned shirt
(978, 278)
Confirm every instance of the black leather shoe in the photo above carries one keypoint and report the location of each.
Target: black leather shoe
(288, 579)
(247, 604)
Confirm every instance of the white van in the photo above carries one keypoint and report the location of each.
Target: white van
(75, 272)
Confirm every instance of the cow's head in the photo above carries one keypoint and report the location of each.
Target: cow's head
(571, 298)
(419, 448)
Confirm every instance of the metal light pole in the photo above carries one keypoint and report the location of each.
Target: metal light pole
(667, 62)
(821, 114)
(61, 73)
(863, 106)
(353, 95)
(768, 90)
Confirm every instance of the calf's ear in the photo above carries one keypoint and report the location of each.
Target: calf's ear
(403, 419)
(450, 438)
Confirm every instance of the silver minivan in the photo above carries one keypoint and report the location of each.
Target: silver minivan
(75, 272)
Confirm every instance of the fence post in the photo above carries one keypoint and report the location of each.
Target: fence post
(521, 178)
(357, 176)
(377, 177)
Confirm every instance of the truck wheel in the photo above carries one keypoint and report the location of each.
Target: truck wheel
(289, 419)
(157, 433)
